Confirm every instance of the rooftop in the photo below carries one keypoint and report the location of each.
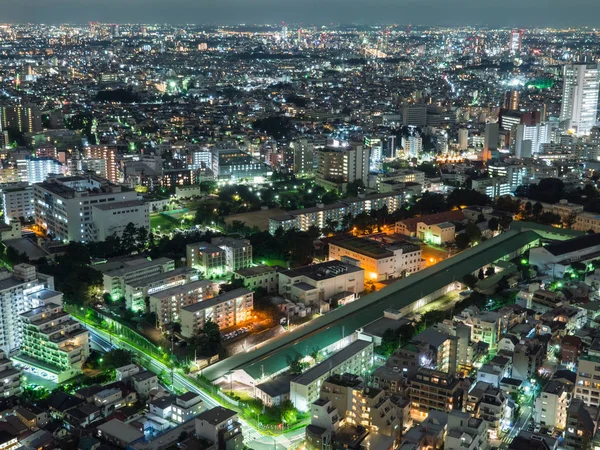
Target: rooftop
(332, 362)
(216, 415)
(574, 245)
(182, 289)
(216, 300)
(322, 271)
(121, 431)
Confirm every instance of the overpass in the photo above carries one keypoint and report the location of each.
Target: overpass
(326, 332)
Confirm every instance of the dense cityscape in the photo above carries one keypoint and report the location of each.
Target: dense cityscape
(299, 237)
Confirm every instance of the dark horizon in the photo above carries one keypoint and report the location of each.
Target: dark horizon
(484, 13)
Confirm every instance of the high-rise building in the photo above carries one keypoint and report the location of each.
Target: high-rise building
(300, 156)
(463, 139)
(515, 44)
(580, 97)
(415, 115)
(511, 100)
(20, 291)
(85, 209)
(413, 146)
(339, 166)
(36, 170)
(25, 119)
(108, 154)
(492, 136)
(529, 139)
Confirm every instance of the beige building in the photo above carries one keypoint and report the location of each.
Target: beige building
(318, 283)
(379, 263)
(551, 406)
(259, 277)
(167, 304)
(117, 274)
(226, 310)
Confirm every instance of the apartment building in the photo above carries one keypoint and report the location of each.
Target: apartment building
(259, 277)
(485, 326)
(109, 156)
(359, 405)
(582, 423)
(11, 377)
(379, 262)
(587, 384)
(431, 348)
(433, 389)
(226, 310)
(17, 201)
(207, 258)
(136, 292)
(238, 252)
(167, 304)
(318, 283)
(551, 406)
(117, 274)
(54, 346)
(321, 215)
(489, 403)
(20, 291)
(85, 209)
(464, 432)
(222, 427)
(528, 357)
(356, 358)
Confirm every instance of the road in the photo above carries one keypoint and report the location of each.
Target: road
(520, 423)
(252, 437)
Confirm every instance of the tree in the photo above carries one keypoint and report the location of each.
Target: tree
(462, 241)
(295, 365)
(490, 271)
(493, 224)
(355, 187)
(473, 232)
(470, 280)
(537, 209)
(570, 220)
(508, 204)
(141, 238)
(115, 358)
(289, 414)
(505, 221)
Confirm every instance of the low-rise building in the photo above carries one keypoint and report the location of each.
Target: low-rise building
(464, 432)
(356, 358)
(582, 423)
(118, 433)
(144, 383)
(222, 427)
(186, 407)
(226, 310)
(259, 277)
(379, 263)
(238, 252)
(136, 292)
(209, 259)
(117, 274)
(167, 304)
(318, 283)
(487, 402)
(11, 377)
(419, 226)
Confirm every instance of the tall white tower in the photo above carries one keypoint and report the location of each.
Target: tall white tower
(580, 97)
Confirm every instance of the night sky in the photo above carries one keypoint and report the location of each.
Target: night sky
(426, 12)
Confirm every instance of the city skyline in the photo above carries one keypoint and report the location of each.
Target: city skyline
(310, 12)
